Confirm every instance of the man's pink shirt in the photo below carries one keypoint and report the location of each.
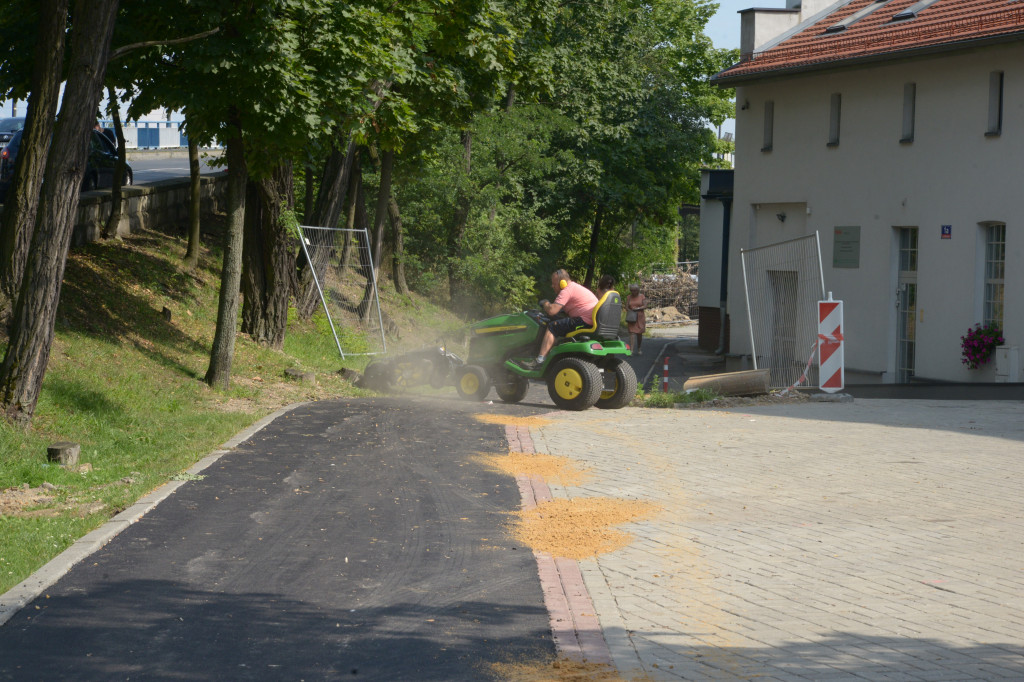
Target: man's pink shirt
(577, 301)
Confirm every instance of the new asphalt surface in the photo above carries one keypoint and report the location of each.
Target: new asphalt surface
(347, 539)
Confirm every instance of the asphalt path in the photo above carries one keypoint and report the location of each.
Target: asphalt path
(151, 169)
(356, 539)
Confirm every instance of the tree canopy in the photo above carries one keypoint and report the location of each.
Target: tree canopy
(502, 139)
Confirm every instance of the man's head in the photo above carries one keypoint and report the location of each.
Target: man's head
(560, 279)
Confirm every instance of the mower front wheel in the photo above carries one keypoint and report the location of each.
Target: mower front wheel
(619, 386)
(574, 384)
(513, 388)
(472, 383)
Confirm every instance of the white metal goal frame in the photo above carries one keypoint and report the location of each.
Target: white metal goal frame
(336, 242)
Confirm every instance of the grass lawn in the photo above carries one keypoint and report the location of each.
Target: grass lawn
(125, 383)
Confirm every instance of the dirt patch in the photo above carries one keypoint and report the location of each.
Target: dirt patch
(560, 670)
(579, 528)
(510, 420)
(28, 503)
(548, 467)
(18, 501)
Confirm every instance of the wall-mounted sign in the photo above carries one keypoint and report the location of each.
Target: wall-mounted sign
(846, 247)
(947, 232)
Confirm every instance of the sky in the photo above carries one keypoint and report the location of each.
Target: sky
(723, 29)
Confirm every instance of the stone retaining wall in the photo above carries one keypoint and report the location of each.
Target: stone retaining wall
(158, 206)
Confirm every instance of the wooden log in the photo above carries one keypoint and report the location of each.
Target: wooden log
(64, 452)
(749, 382)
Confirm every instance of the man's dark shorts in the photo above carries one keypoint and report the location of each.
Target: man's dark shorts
(564, 325)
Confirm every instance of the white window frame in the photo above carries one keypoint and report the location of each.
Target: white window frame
(834, 118)
(995, 104)
(909, 106)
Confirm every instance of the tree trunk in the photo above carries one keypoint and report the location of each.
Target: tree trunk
(595, 233)
(114, 220)
(460, 219)
(309, 182)
(194, 204)
(31, 337)
(354, 189)
(334, 187)
(19, 215)
(387, 163)
(267, 257)
(398, 258)
(218, 375)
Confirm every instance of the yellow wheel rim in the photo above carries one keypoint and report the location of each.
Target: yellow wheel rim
(610, 392)
(568, 384)
(470, 383)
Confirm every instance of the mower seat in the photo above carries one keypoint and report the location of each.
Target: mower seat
(607, 314)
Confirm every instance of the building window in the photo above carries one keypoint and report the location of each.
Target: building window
(769, 125)
(995, 104)
(833, 120)
(995, 270)
(909, 102)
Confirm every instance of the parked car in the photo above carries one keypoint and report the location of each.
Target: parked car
(99, 168)
(9, 126)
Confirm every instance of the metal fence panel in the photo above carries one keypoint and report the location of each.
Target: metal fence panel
(346, 278)
(784, 283)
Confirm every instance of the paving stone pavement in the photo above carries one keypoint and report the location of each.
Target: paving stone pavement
(878, 539)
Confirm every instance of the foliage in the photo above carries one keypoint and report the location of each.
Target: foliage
(979, 343)
(671, 398)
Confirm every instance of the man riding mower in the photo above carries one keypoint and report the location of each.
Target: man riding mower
(582, 366)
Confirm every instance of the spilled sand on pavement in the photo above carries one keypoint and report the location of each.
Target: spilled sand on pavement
(512, 420)
(559, 670)
(579, 528)
(548, 467)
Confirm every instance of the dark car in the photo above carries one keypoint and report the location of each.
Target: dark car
(99, 168)
(9, 126)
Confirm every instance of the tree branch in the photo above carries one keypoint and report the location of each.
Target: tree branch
(125, 49)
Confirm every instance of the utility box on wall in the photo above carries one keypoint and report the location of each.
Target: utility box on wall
(1007, 364)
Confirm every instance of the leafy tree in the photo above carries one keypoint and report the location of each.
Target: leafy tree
(47, 22)
(31, 337)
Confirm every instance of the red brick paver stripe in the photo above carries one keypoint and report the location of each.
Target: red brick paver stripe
(575, 627)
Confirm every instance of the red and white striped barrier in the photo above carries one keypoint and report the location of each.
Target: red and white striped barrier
(831, 366)
(664, 378)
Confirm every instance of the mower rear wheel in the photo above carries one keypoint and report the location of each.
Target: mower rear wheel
(619, 386)
(574, 384)
(513, 388)
(473, 383)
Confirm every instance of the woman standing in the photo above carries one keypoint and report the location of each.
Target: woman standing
(636, 320)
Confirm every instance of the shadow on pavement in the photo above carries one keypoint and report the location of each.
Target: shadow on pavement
(207, 635)
(842, 656)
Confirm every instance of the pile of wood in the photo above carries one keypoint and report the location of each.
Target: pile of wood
(676, 289)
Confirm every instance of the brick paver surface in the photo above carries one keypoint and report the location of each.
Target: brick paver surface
(879, 539)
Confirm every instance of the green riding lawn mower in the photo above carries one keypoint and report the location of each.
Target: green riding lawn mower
(587, 368)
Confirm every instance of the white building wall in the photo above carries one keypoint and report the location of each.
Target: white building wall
(711, 219)
(951, 174)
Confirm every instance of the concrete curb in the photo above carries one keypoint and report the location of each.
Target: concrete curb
(25, 592)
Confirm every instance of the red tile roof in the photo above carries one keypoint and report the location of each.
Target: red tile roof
(942, 25)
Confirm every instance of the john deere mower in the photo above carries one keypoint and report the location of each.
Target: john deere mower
(584, 369)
